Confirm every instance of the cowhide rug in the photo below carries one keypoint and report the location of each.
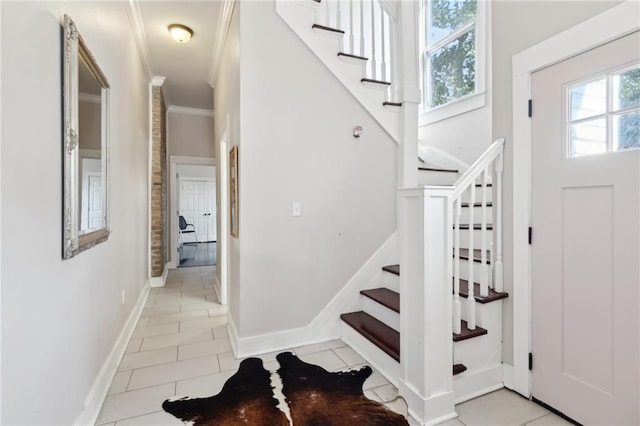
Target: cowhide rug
(313, 396)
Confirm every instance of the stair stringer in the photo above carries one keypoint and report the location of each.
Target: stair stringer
(300, 18)
(370, 275)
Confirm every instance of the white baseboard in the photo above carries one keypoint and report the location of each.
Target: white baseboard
(507, 373)
(161, 280)
(98, 392)
(471, 384)
(348, 298)
(429, 411)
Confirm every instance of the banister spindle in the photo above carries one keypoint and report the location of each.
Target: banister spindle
(457, 304)
(471, 301)
(484, 269)
(352, 47)
(374, 62)
(362, 53)
(383, 65)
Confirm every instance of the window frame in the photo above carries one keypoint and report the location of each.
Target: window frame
(608, 115)
(476, 99)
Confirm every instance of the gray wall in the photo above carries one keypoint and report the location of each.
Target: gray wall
(61, 319)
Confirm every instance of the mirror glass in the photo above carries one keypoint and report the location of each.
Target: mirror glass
(86, 123)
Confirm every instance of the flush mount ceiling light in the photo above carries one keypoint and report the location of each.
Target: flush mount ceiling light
(180, 33)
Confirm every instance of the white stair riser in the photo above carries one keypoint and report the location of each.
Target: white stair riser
(478, 269)
(429, 177)
(466, 195)
(390, 281)
(379, 360)
(381, 313)
(482, 352)
(477, 238)
(477, 214)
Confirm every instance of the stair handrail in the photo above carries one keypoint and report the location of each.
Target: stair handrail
(478, 167)
(485, 171)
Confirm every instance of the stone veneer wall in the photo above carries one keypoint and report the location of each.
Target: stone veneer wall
(159, 234)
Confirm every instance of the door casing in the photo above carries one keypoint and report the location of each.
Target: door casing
(609, 25)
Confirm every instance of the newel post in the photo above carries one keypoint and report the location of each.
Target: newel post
(426, 346)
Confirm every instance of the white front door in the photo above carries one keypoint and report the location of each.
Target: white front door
(585, 253)
(197, 205)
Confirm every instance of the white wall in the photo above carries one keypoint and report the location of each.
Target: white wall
(190, 134)
(517, 26)
(60, 319)
(226, 100)
(297, 145)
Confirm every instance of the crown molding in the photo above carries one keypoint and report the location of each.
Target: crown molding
(137, 27)
(191, 111)
(224, 22)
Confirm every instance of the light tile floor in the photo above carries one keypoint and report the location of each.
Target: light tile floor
(180, 347)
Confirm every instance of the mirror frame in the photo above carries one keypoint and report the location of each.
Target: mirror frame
(75, 48)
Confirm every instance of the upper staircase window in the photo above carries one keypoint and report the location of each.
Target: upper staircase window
(453, 57)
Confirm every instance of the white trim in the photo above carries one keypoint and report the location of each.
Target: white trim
(607, 26)
(86, 97)
(192, 111)
(0, 219)
(98, 392)
(468, 385)
(459, 106)
(280, 340)
(162, 279)
(348, 298)
(174, 161)
(137, 27)
(158, 80)
(507, 374)
(224, 22)
(223, 216)
(478, 98)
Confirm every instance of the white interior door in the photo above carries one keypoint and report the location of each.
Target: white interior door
(196, 202)
(585, 252)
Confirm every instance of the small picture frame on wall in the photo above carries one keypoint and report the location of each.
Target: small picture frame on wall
(233, 191)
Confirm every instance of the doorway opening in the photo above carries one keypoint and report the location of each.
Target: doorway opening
(193, 212)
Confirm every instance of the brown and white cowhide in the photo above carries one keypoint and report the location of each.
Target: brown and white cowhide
(313, 396)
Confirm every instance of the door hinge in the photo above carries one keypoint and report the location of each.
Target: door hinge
(530, 235)
(530, 108)
(530, 361)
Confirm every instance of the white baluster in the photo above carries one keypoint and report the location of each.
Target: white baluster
(383, 65)
(457, 304)
(362, 53)
(374, 62)
(471, 301)
(484, 269)
(352, 48)
(497, 210)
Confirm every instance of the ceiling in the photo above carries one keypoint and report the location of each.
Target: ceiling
(187, 66)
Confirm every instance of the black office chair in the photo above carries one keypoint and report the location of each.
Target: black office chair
(186, 228)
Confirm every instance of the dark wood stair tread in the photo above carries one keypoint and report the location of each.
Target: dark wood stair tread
(322, 27)
(349, 55)
(378, 333)
(395, 104)
(476, 226)
(459, 368)
(370, 80)
(465, 333)
(477, 256)
(492, 297)
(393, 269)
(436, 169)
(467, 205)
(385, 297)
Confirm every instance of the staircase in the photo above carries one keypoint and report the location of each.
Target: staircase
(354, 40)
(436, 330)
